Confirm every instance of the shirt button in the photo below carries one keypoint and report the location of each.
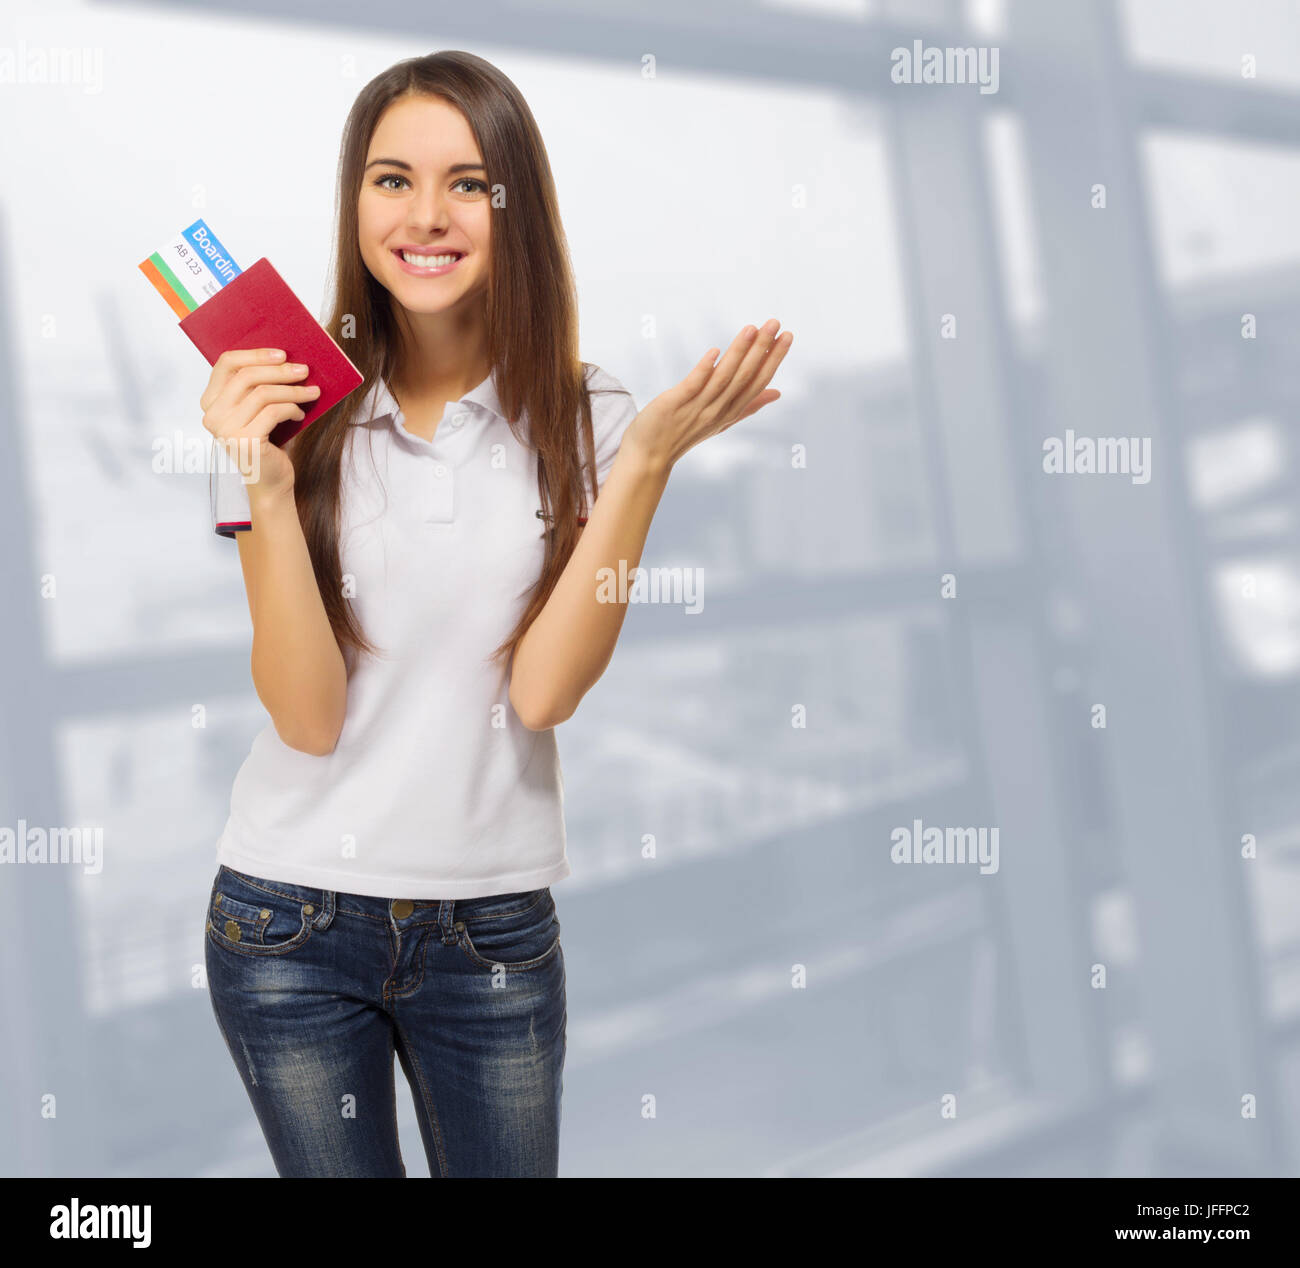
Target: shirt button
(440, 471)
(457, 421)
(402, 909)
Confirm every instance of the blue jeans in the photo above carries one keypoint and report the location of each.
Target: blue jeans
(314, 990)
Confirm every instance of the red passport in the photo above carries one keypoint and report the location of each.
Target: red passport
(258, 310)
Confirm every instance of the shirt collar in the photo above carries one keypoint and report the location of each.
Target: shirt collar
(381, 403)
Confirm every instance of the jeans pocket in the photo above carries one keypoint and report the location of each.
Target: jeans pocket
(510, 931)
(251, 916)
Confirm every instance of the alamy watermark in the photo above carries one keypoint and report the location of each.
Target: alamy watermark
(39, 64)
(1098, 455)
(35, 844)
(920, 844)
(932, 65)
(679, 586)
(179, 454)
(122, 1223)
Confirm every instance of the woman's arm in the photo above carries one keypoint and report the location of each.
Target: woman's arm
(298, 669)
(568, 646)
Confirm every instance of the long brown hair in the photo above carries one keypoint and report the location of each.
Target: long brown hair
(532, 325)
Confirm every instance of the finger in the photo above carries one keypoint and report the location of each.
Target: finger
(248, 378)
(249, 412)
(726, 368)
(229, 363)
(696, 380)
(241, 445)
(723, 391)
(233, 397)
(749, 376)
(775, 355)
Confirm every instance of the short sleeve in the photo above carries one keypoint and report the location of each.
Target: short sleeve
(612, 411)
(231, 512)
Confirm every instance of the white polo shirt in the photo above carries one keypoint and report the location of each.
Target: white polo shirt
(435, 788)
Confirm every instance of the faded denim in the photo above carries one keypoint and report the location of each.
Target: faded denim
(315, 990)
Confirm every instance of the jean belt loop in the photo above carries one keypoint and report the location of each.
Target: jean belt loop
(324, 914)
(446, 912)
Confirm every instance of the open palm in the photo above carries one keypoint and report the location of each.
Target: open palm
(713, 396)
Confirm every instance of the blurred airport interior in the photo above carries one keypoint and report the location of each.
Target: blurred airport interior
(1107, 246)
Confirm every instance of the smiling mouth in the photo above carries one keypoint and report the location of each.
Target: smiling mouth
(440, 260)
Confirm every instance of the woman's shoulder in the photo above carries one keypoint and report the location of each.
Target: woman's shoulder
(602, 384)
(599, 379)
(610, 400)
(612, 410)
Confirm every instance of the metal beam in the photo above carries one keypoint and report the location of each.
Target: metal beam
(966, 411)
(1111, 370)
(41, 996)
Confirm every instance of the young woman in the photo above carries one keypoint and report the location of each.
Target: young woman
(421, 567)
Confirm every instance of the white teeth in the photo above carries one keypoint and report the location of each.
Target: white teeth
(428, 261)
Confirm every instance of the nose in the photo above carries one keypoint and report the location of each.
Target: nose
(429, 212)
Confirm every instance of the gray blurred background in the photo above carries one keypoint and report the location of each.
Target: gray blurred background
(1105, 671)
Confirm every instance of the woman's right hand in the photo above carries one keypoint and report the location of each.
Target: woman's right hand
(250, 393)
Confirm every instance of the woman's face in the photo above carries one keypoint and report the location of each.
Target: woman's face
(424, 191)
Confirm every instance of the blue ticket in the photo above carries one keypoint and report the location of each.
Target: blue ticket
(220, 263)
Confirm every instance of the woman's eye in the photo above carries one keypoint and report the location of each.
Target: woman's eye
(474, 185)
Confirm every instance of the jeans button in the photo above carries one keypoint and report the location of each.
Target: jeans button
(232, 931)
(402, 908)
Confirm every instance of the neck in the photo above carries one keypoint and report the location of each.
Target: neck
(442, 355)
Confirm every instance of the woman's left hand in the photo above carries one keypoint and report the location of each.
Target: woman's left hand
(712, 396)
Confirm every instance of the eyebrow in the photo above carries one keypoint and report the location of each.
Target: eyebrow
(406, 167)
